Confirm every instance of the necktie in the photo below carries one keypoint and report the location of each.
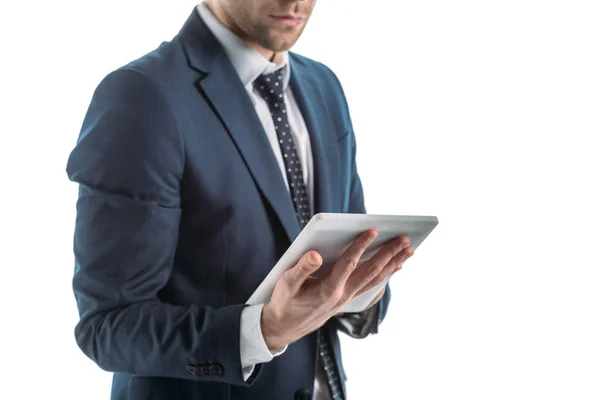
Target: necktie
(271, 89)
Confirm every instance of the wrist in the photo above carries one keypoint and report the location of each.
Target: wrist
(271, 330)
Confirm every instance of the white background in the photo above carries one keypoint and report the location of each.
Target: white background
(483, 113)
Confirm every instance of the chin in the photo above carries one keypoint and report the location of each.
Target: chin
(279, 44)
(280, 49)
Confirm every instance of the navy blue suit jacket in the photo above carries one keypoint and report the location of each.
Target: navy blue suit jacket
(182, 212)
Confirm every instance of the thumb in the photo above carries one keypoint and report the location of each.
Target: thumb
(308, 264)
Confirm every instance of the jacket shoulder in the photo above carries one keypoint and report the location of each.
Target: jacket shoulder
(160, 68)
(329, 85)
(318, 70)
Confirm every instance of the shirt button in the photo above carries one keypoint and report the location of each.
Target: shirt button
(303, 394)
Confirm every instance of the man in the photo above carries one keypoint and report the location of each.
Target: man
(198, 165)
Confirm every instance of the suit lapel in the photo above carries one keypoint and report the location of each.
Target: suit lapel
(230, 100)
(324, 146)
(221, 87)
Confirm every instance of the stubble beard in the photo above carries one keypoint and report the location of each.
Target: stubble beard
(276, 40)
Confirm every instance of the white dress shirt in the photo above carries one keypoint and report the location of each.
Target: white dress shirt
(249, 64)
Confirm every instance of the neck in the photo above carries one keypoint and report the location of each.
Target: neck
(270, 55)
(218, 11)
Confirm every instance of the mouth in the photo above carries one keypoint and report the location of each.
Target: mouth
(287, 20)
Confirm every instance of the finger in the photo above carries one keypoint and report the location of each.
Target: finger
(388, 251)
(394, 265)
(401, 257)
(405, 238)
(308, 264)
(372, 268)
(348, 261)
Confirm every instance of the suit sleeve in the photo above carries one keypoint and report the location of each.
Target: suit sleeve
(357, 325)
(360, 325)
(128, 162)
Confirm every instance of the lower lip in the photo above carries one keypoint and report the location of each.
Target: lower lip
(286, 21)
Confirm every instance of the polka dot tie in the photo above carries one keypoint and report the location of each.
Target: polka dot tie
(271, 89)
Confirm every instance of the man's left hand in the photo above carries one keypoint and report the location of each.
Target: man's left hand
(382, 291)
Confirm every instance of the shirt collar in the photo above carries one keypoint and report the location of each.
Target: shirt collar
(248, 63)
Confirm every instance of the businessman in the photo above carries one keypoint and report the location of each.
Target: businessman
(198, 164)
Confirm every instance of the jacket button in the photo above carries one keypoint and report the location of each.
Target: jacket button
(303, 394)
(198, 370)
(216, 369)
(205, 370)
(190, 369)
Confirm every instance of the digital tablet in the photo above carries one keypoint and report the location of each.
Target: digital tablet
(330, 234)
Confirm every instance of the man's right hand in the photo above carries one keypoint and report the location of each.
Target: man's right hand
(301, 304)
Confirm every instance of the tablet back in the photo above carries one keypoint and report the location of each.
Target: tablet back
(330, 234)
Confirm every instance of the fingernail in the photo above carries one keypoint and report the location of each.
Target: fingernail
(312, 259)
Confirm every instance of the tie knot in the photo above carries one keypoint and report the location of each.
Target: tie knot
(270, 87)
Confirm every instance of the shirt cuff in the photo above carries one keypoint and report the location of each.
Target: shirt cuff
(359, 325)
(253, 349)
